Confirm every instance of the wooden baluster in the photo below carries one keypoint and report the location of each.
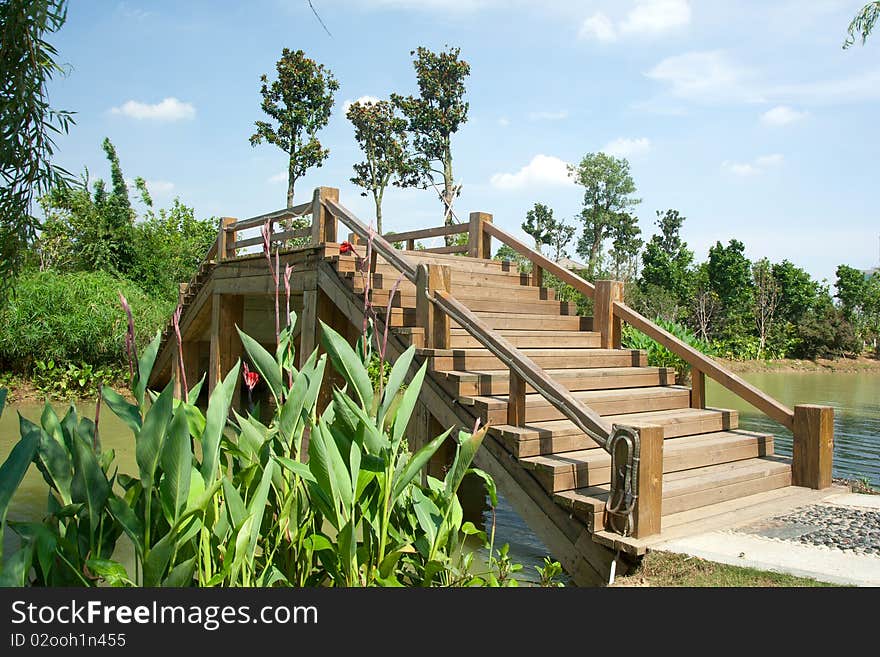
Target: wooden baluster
(410, 245)
(646, 517)
(604, 321)
(323, 221)
(516, 400)
(435, 322)
(698, 388)
(537, 276)
(813, 446)
(225, 239)
(479, 241)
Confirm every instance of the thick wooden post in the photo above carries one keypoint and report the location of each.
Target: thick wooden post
(646, 518)
(698, 388)
(308, 339)
(225, 239)
(813, 446)
(323, 222)
(479, 242)
(191, 358)
(604, 321)
(227, 311)
(516, 400)
(430, 277)
(537, 276)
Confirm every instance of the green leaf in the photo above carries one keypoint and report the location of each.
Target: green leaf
(347, 363)
(428, 515)
(490, 484)
(464, 455)
(14, 572)
(193, 396)
(128, 413)
(89, 485)
(129, 522)
(145, 367)
(234, 504)
(110, 571)
(416, 463)
(157, 559)
(257, 507)
(299, 469)
(395, 380)
(218, 411)
(181, 574)
(265, 364)
(149, 441)
(407, 404)
(176, 462)
(55, 464)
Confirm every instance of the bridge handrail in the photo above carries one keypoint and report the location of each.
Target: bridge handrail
(521, 365)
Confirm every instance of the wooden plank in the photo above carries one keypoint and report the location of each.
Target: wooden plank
(516, 401)
(455, 248)
(479, 241)
(757, 398)
(309, 322)
(649, 487)
(227, 311)
(698, 389)
(481, 359)
(323, 221)
(259, 220)
(537, 276)
(813, 446)
(495, 382)
(425, 233)
(604, 321)
(225, 239)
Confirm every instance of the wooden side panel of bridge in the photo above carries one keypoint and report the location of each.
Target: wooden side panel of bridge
(571, 412)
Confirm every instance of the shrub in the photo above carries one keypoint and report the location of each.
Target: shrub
(660, 356)
(72, 318)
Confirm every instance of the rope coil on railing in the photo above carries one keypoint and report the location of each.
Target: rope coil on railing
(624, 446)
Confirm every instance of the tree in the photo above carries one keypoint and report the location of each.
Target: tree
(705, 304)
(382, 137)
(539, 224)
(862, 24)
(27, 64)
(625, 246)
(797, 291)
(851, 289)
(608, 195)
(559, 239)
(766, 301)
(666, 260)
(435, 115)
(298, 103)
(730, 277)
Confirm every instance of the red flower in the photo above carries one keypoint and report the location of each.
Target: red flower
(251, 379)
(346, 247)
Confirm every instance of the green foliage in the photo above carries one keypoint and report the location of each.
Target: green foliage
(220, 502)
(381, 135)
(660, 356)
(608, 197)
(72, 318)
(730, 278)
(862, 24)
(435, 115)
(666, 260)
(298, 104)
(547, 231)
(73, 380)
(28, 122)
(549, 573)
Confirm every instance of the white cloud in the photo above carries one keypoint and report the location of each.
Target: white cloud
(624, 147)
(543, 170)
(599, 27)
(709, 76)
(364, 100)
(504, 122)
(649, 18)
(168, 109)
(781, 115)
(280, 177)
(757, 166)
(548, 116)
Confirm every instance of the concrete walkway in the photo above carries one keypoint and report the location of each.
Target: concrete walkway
(836, 540)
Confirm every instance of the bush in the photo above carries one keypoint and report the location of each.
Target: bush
(660, 356)
(825, 334)
(73, 318)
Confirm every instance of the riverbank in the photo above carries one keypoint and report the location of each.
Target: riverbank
(25, 391)
(859, 364)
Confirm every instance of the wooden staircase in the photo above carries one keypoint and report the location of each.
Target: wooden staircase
(707, 458)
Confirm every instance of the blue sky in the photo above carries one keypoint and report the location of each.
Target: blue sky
(747, 117)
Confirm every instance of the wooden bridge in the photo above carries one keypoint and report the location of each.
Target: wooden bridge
(601, 454)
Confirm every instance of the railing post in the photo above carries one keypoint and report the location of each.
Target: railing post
(812, 446)
(479, 242)
(537, 276)
(516, 400)
(698, 388)
(646, 518)
(430, 277)
(604, 321)
(323, 222)
(225, 239)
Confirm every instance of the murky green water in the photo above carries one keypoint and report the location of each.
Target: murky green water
(855, 398)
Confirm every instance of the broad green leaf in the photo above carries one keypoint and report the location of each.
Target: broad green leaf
(110, 571)
(89, 485)
(176, 462)
(52, 425)
(428, 515)
(265, 364)
(296, 467)
(252, 434)
(395, 380)
(234, 504)
(125, 411)
(42, 538)
(218, 411)
(156, 561)
(467, 447)
(257, 506)
(181, 574)
(317, 542)
(14, 572)
(149, 441)
(347, 363)
(55, 464)
(145, 367)
(407, 404)
(129, 522)
(416, 463)
(490, 484)
(193, 396)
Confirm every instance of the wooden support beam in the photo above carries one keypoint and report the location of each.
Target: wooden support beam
(323, 222)
(537, 276)
(479, 241)
(813, 446)
(604, 320)
(225, 239)
(516, 401)
(191, 360)
(309, 325)
(227, 311)
(698, 388)
(429, 278)
(646, 518)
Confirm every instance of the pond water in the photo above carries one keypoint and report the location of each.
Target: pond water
(854, 396)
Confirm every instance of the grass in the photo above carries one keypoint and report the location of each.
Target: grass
(665, 569)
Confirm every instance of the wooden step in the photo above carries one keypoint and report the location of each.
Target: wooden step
(463, 290)
(689, 489)
(532, 322)
(495, 302)
(482, 359)
(386, 275)
(556, 436)
(493, 410)
(534, 338)
(592, 467)
(496, 382)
